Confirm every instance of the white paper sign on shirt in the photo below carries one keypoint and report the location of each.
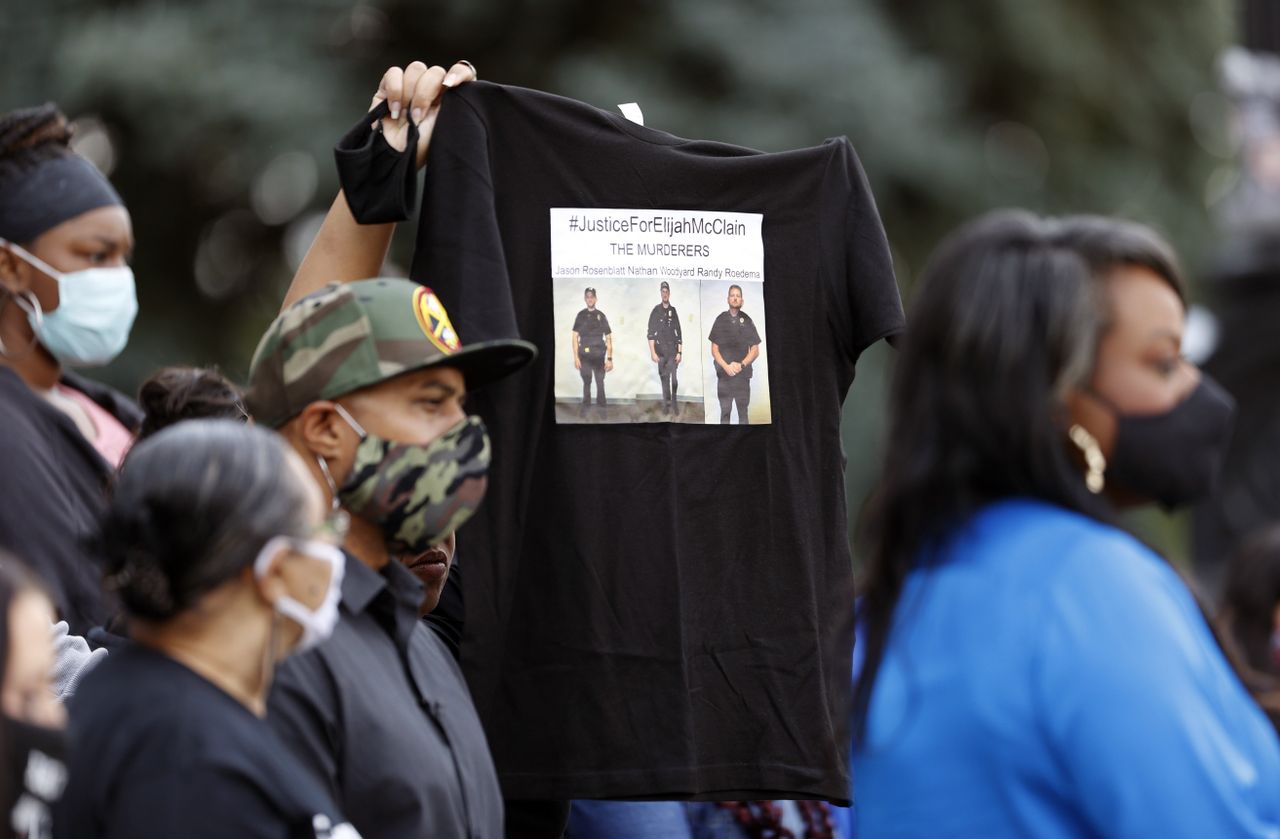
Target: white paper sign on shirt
(692, 352)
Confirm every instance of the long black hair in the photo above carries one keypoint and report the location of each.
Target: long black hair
(1250, 597)
(1246, 617)
(1004, 324)
(1107, 243)
(192, 508)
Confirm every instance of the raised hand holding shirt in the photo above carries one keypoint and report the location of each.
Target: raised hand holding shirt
(656, 607)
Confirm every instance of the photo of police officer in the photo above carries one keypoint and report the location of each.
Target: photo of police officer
(592, 351)
(666, 348)
(735, 344)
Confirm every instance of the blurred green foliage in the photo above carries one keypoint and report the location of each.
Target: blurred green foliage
(221, 114)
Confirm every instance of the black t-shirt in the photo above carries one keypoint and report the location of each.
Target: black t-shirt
(734, 336)
(591, 328)
(664, 329)
(158, 751)
(654, 609)
(54, 485)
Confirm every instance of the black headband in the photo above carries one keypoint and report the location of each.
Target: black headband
(49, 193)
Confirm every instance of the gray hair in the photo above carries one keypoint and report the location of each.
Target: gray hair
(193, 506)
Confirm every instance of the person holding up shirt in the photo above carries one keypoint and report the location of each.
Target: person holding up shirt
(366, 381)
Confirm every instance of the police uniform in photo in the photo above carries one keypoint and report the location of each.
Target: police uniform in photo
(735, 335)
(664, 331)
(592, 327)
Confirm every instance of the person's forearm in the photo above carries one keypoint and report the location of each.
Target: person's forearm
(343, 251)
(608, 346)
(715, 353)
(752, 354)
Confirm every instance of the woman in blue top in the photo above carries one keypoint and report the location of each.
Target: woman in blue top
(1027, 668)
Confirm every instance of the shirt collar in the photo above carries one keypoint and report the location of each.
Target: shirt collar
(361, 584)
(398, 612)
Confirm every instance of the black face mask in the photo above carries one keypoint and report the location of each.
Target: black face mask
(1175, 457)
(35, 762)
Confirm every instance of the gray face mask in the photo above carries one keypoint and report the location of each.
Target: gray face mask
(1175, 457)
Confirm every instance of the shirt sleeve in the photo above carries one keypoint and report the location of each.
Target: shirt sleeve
(203, 803)
(1142, 709)
(653, 324)
(459, 250)
(675, 323)
(865, 305)
(302, 709)
(605, 320)
(577, 324)
(716, 336)
(753, 337)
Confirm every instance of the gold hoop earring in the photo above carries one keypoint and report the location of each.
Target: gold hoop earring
(1094, 460)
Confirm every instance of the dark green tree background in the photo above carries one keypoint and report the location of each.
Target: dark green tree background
(216, 118)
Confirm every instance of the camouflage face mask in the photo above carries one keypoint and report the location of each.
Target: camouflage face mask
(418, 494)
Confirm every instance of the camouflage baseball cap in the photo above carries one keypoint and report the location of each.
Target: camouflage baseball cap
(352, 335)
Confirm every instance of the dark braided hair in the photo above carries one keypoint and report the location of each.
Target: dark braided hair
(31, 135)
(174, 394)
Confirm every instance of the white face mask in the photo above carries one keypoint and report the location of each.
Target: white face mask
(316, 625)
(96, 309)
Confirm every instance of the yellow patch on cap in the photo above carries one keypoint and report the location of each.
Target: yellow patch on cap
(434, 321)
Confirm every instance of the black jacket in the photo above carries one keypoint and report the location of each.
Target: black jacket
(53, 488)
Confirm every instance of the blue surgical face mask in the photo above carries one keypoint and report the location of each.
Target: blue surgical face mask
(96, 308)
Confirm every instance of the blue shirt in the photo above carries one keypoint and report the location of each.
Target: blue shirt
(1049, 676)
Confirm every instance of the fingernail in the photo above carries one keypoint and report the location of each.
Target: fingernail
(417, 115)
(450, 80)
(395, 110)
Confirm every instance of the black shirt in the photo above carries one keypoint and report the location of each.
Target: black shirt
(54, 485)
(734, 336)
(664, 329)
(158, 751)
(380, 715)
(591, 328)
(626, 637)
